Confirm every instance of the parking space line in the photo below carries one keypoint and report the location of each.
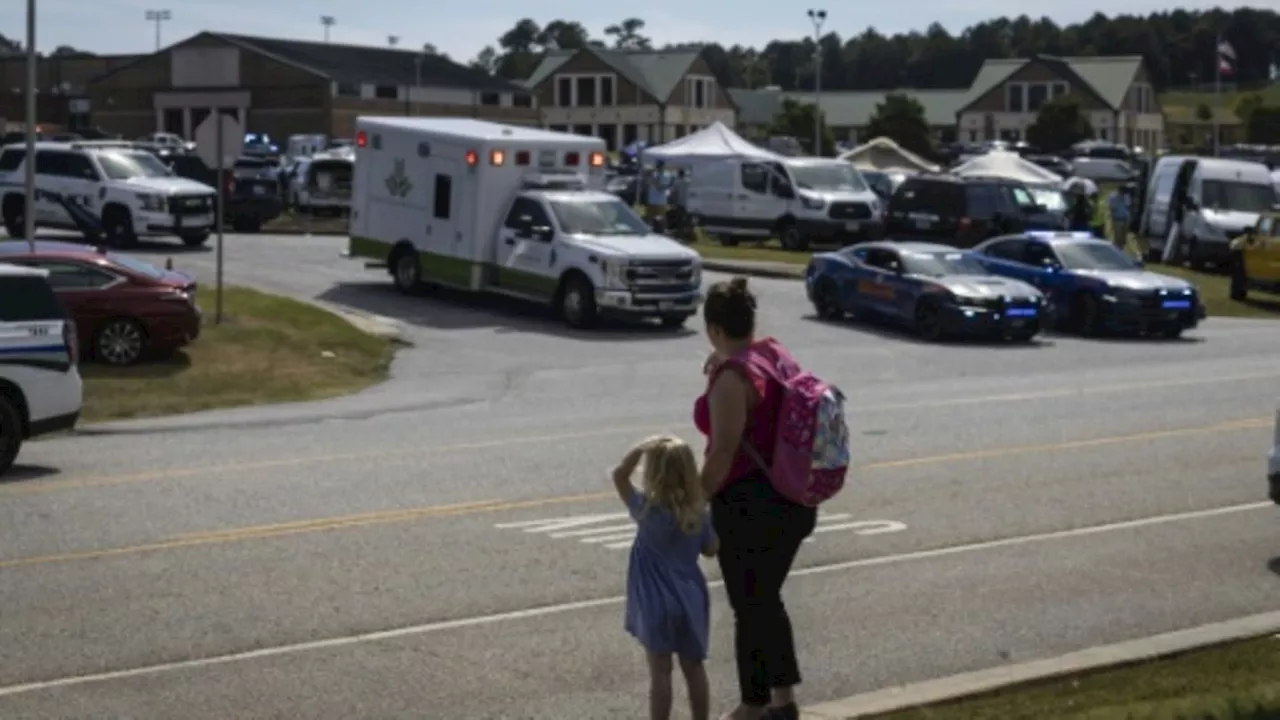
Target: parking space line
(386, 517)
(76, 483)
(333, 643)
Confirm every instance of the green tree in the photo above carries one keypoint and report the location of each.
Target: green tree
(796, 120)
(1263, 125)
(1204, 113)
(626, 34)
(901, 118)
(1058, 125)
(1246, 105)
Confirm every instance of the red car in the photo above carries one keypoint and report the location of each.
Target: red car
(123, 307)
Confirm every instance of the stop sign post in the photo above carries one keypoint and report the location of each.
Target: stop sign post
(219, 141)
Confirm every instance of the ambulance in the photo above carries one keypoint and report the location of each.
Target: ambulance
(512, 210)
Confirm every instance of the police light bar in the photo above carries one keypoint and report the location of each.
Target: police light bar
(1047, 234)
(554, 181)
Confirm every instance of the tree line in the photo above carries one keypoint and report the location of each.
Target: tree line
(1180, 49)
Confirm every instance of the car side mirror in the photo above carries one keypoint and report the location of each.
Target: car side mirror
(543, 233)
(785, 190)
(524, 227)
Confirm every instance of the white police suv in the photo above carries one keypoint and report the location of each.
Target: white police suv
(117, 190)
(40, 389)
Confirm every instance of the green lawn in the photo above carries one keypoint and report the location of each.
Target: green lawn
(1270, 95)
(1239, 681)
(1213, 287)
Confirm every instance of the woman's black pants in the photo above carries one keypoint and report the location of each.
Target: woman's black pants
(760, 533)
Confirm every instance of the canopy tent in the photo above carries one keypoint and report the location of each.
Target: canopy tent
(1275, 178)
(714, 142)
(1005, 164)
(888, 156)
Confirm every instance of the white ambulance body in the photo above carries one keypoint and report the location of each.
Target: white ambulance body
(513, 210)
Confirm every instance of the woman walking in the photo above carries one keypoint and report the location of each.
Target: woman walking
(760, 531)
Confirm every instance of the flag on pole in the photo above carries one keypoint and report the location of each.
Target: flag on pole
(1226, 58)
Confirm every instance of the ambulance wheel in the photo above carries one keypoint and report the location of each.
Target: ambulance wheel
(406, 271)
(578, 302)
(10, 431)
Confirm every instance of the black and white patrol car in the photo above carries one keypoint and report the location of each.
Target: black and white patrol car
(114, 190)
(40, 388)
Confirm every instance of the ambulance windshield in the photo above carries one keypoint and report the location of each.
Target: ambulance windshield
(598, 217)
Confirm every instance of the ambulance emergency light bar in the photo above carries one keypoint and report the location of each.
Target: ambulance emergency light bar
(546, 158)
(554, 181)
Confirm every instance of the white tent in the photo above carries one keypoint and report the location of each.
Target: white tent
(1005, 164)
(888, 156)
(714, 142)
(1275, 179)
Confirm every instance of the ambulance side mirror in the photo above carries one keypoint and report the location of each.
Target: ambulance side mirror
(524, 227)
(544, 233)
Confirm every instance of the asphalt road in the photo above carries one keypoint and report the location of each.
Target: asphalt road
(447, 545)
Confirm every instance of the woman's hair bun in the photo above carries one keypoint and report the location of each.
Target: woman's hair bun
(738, 285)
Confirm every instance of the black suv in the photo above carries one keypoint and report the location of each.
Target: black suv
(250, 188)
(960, 211)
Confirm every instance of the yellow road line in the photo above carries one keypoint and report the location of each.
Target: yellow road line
(386, 517)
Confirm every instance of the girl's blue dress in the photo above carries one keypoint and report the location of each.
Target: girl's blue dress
(668, 607)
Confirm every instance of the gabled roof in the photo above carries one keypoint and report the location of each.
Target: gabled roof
(358, 63)
(657, 72)
(845, 108)
(1109, 78)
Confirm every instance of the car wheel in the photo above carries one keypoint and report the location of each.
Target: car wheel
(117, 225)
(826, 301)
(195, 239)
(406, 271)
(790, 238)
(242, 224)
(15, 210)
(1172, 332)
(120, 342)
(674, 321)
(578, 303)
(10, 432)
(1085, 314)
(928, 319)
(1022, 337)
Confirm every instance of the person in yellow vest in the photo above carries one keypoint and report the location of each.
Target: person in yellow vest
(1236, 250)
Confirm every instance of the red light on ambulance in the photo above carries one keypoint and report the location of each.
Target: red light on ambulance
(597, 160)
(473, 158)
(497, 157)
(572, 159)
(362, 139)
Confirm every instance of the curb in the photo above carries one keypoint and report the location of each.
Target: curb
(379, 326)
(904, 697)
(777, 273)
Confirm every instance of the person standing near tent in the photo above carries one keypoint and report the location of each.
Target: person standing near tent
(657, 195)
(1118, 208)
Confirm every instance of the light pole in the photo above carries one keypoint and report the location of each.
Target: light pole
(327, 21)
(29, 179)
(818, 18)
(159, 17)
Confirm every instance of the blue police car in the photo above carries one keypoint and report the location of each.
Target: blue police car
(1092, 286)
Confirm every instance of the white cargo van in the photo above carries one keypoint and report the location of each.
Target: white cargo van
(512, 210)
(797, 200)
(1202, 203)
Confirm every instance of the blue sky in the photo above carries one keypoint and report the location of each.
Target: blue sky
(462, 28)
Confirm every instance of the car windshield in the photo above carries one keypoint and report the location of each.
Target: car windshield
(126, 165)
(1093, 256)
(827, 176)
(1052, 199)
(139, 266)
(598, 217)
(1238, 196)
(937, 264)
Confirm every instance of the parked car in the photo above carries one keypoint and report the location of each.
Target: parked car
(123, 307)
(1258, 264)
(250, 189)
(1092, 286)
(937, 290)
(960, 211)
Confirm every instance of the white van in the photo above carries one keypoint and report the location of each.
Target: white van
(797, 200)
(513, 210)
(320, 184)
(1203, 203)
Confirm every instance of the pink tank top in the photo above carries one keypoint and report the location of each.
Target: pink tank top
(762, 423)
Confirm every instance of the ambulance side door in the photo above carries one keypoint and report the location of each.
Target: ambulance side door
(524, 249)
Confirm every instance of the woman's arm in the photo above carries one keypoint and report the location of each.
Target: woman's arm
(727, 406)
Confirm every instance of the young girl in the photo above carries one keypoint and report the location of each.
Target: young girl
(668, 608)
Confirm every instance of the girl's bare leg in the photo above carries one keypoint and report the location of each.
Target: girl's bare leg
(695, 676)
(659, 686)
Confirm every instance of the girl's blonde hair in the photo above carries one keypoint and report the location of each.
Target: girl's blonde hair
(671, 481)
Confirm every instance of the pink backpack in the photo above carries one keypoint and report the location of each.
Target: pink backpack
(811, 452)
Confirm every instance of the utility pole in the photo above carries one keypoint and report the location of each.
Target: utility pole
(29, 162)
(159, 17)
(327, 21)
(818, 18)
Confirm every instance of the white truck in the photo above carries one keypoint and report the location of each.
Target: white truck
(512, 210)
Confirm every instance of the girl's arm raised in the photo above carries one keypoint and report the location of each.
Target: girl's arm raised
(622, 474)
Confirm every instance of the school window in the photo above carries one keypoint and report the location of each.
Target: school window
(606, 91)
(1037, 95)
(1014, 99)
(564, 92)
(386, 92)
(490, 98)
(521, 100)
(699, 93)
(1059, 89)
(444, 197)
(586, 89)
(346, 89)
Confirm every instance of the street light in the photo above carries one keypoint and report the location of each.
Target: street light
(818, 18)
(29, 179)
(159, 17)
(327, 21)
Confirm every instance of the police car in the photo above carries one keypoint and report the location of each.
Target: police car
(40, 389)
(114, 189)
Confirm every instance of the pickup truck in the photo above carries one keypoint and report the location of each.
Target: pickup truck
(250, 188)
